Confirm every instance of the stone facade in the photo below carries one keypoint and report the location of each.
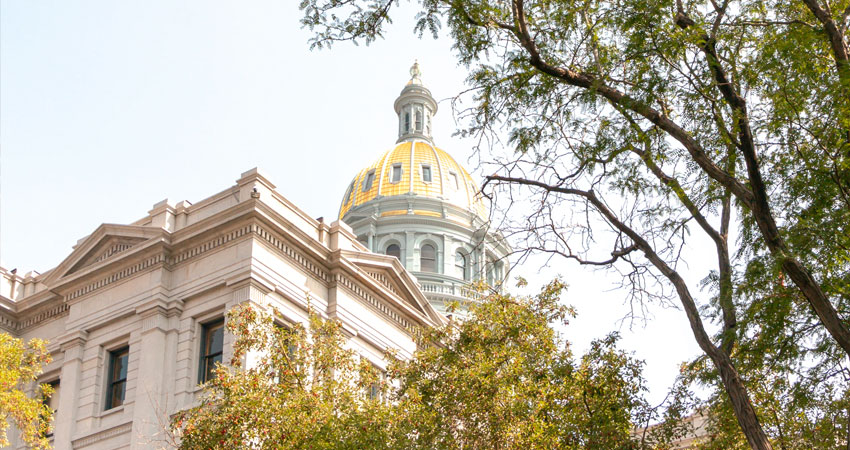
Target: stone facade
(153, 286)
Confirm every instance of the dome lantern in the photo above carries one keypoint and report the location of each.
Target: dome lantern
(415, 107)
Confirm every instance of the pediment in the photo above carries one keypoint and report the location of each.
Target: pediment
(107, 248)
(389, 273)
(385, 279)
(106, 242)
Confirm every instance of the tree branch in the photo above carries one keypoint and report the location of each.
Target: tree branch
(760, 206)
(738, 395)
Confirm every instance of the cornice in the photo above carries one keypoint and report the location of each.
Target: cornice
(287, 249)
(116, 276)
(382, 308)
(16, 322)
(309, 243)
(412, 219)
(206, 245)
(8, 323)
(403, 202)
(43, 315)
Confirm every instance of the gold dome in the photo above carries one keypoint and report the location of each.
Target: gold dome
(391, 176)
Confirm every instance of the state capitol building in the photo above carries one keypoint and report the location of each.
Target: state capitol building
(134, 315)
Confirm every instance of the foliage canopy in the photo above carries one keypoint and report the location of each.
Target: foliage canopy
(500, 379)
(638, 127)
(20, 366)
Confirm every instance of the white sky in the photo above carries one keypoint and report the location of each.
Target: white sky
(109, 107)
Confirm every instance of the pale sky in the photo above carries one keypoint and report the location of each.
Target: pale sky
(109, 107)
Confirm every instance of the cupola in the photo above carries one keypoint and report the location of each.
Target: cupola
(415, 107)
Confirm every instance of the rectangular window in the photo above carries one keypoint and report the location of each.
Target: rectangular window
(53, 404)
(285, 337)
(426, 174)
(212, 344)
(289, 343)
(395, 176)
(373, 390)
(116, 380)
(367, 182)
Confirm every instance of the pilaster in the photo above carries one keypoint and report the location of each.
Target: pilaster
(157, 368)
(409, 255)
(72, 344)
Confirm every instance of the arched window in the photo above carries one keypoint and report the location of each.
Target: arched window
(460, 266)
(428, 258)
(394, 250)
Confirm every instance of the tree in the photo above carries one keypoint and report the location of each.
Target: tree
(502, 378)
(20, 366)
(301, 389)
(634, 123)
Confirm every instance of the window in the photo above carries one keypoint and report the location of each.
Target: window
(53, 404)
(394, 250)
(287, 339)
(426, 174)
(460, 265)
(427, 258)
(407, 122)
(376, 378)
(418, 119)
(116, 378)
(453, 180)
(373, 391)
(395, 175)
(367, 182)
(212, 344)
